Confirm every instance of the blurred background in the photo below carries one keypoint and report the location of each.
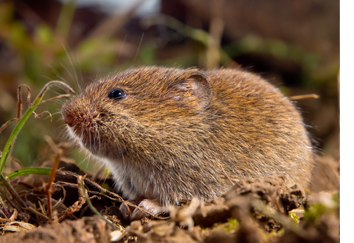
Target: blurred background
(294, 44)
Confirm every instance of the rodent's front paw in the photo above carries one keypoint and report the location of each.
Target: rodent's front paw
(149, 207)
(125, 210)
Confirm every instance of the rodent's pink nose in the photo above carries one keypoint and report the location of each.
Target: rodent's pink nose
(69, 119)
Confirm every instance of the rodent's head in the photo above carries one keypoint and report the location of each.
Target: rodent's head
(147, 109)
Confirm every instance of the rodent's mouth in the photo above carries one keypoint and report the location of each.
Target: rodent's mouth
(88, 129)
(87, 137)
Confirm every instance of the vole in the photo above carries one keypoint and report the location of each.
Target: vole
(170, 134)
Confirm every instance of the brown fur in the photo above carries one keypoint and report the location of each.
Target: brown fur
(182, 133)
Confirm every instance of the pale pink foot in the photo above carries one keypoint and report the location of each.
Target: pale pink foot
(146, 207)
(149, 207)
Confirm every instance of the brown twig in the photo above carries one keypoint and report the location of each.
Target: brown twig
(33, 210)
(53, 172)
(6, 124)
(12, 158)
(13, 193)
(55, 82)
(14, 215)
(88, 201)
(4, 209)
(50, 182)
(39, 115)
(98, 190)
(19, 105)
(2, 220)
(72, 209)
(303, 97)
(19, 99)
(79, 203)
(19, 102)
(61, 201)
(5, 193)
(72, 176)
(42, 208)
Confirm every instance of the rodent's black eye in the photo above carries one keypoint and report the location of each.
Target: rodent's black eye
(117, 94)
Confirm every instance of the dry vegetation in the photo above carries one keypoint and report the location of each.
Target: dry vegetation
(257, 210)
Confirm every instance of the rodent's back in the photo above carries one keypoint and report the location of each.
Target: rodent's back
(265, 129)
(182, 133)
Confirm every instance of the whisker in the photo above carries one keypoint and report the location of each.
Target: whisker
(113, 136)
(62, 132)
(72, 65)
(99, 141)
(56, 113)
(83, 161)
(57, 74)
(121, 48)
(60, 87)
(137, 52)
(89, 135)
(44, 76)
(101, 180)
(81, 81)
(82, 135)
(96, 138)
(59, 119)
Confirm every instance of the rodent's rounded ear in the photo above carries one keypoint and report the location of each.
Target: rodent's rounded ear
(194, 88)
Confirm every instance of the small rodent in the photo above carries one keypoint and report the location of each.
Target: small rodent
(170, 134)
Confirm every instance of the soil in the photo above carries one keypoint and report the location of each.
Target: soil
(254, 210)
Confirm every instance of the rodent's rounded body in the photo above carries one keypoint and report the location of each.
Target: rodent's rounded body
(181, 133)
